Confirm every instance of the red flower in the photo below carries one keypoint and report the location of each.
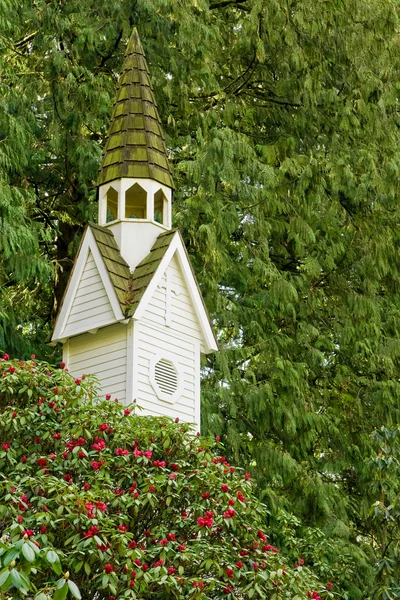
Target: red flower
(173, 475)
(239, 564)
(12, 369)
(261, 535)
(103, 427)
(23, 459)
(5, 356)
(164, 542)
(86, 486)
(78, 381)
(108, 568)
(51, 404)
(241, 497)
(229, 513)
(108, 396)
(57, 436)
(205, 495)
(62, 365)
(14, 414)
(329, 586)
(152, 488)
(121, 452)
(43, 529)
(217, 438)
(181, 547)
(171, 570)
(127, 412)
(68, 478)
(227, 590)
(122, 528)
(171, 536)
(20, 518)
(229, 573)
(225, 487)
(42, 462)
(206, 521)
(198, 584)
(132, 545)
(28, 532)
(6, 446)
(247, 476)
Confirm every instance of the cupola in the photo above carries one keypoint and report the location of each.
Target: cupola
(135, 180)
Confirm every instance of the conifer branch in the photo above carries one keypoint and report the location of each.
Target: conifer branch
(25, 40)
(237, 3)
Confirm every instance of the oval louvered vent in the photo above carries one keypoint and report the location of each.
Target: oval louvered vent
(166, 376)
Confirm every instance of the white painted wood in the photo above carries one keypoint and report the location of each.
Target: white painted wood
(89, 282)
(104, 355)
(153, 342)
(96, 310)
(185, 279)
(130, 396)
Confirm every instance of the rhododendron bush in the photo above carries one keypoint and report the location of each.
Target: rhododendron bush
(99, 502)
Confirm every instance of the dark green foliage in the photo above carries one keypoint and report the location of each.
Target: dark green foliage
(281, 120)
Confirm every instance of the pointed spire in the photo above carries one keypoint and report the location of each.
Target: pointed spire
(135, 146)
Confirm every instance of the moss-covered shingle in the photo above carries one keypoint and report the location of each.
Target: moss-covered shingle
(135, 146)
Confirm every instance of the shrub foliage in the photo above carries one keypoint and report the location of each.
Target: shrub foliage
(97, 501)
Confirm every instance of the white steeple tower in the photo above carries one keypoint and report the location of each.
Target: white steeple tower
(132, 313)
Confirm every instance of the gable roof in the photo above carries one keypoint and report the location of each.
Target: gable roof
(135, 146)
(129, 293)
(149, 272)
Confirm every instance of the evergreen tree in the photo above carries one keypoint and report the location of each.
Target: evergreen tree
(282, 123)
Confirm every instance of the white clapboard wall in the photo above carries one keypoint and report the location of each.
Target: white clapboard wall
(103, 354)
(169, 329)
(91, 307)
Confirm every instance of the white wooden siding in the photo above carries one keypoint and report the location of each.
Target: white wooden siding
(178, 341)
(183, 315)
(150, 340)
(91, 307)
(103, 354)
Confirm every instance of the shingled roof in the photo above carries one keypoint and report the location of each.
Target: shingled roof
(135, 146)
(117, 267)
(144, 272)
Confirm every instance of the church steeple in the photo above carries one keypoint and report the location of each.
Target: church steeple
(132, 314)
(135, 180)
(135, 146)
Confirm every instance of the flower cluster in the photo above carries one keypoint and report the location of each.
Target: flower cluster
(160, 515)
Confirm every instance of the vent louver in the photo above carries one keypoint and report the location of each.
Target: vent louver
(166, 376)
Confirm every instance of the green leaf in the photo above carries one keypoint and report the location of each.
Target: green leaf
(10, 556)
(73, 588)
(28, 553)
(61, 592)
(16, 578)
(4, 576)
(52, 556)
